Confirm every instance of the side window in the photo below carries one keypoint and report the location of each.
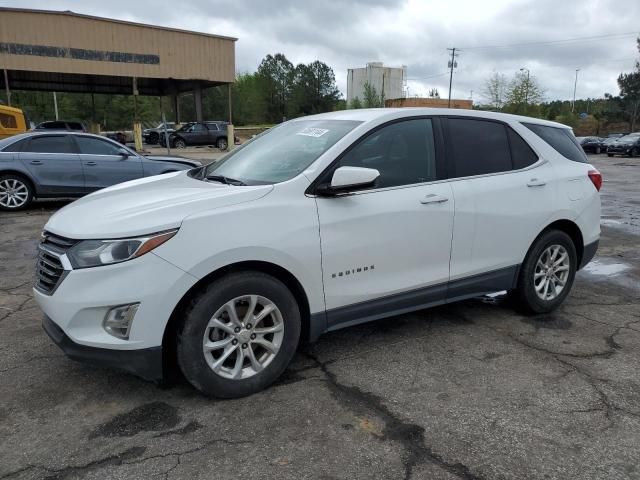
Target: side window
(212, 126)
(50, 144)
(561, 139)
(16, 146)
(95, 146)
(478, 147)
(8, 121)
(403, 153)
(198, 127)
(521, 154)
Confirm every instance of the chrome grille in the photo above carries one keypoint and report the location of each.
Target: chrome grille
(49, 268)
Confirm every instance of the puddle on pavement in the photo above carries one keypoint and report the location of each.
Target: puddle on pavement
(598, 267)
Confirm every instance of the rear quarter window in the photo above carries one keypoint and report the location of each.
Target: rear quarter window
(561, 140)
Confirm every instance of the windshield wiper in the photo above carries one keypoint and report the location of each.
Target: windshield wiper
(225, 180)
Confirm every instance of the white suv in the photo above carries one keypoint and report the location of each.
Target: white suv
(320, 223)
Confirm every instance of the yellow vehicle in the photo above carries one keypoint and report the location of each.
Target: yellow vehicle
(12, 121)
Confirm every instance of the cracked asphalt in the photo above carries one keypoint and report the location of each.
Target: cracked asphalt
(466, 391)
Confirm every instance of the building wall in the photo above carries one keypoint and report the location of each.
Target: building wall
(389, 80)
(428, 102)
(71, 43)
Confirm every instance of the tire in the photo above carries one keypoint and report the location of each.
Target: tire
(206, 369)
(634, 152)
(526, 295)
(16, 192)
(597, 150)
(153, 138)
(609, 154)
(222, 143)
(179, 143)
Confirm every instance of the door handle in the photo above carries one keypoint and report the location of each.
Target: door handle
(536, 182)
(91, 164)
(35, 162)
(433, 198)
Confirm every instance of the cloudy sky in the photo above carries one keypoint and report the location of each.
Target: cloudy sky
(552, 38)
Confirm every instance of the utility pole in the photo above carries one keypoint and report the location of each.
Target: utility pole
(452, 64)
(55, 104)
(526, 88)
(575, 85)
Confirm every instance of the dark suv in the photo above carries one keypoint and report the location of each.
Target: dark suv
(61, 125)
(199, 133)
(627, 145)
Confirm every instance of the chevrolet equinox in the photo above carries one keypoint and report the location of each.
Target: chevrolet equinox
(320, 223)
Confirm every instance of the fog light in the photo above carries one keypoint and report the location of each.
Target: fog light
(117, 321)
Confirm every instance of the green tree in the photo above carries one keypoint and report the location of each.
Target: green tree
(277, 73)
(371, 97)
(523, 94)
(355, 103)
(314, 89)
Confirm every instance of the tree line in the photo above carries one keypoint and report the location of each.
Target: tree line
(524, 95)
(278, 90)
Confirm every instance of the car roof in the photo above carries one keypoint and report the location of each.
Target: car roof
(40, 133)
(372, 114)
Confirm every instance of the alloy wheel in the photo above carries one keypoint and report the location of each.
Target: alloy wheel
(551, 272)
(243, 337)
(13, 193)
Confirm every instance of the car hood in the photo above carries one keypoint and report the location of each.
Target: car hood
(146, 205)
(169, 158)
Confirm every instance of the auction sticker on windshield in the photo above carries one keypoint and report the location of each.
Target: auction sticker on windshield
(312, 132)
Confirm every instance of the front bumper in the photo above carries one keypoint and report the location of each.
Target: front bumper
(145, 363)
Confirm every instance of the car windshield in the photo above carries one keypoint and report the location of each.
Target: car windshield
(282, 152)
(629, 138)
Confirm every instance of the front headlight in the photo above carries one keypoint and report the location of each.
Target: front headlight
(93, 253)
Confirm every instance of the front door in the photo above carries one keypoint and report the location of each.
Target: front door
(54, 164)
(386, 249)
(103, 163)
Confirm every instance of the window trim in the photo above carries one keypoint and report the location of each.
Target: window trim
(438, 143)
(449, 149)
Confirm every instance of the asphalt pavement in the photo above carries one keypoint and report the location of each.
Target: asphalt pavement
(467, 391)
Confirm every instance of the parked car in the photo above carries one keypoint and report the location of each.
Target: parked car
(151, 136)
(616, 135)
(12, 121)
(61, 125)
(628, 145)
(320, 223)
(199, 133)
(592, 144)
(69, 164)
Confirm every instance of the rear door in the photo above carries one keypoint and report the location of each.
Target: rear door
(504, 196)
(53, 162)
(103, 164)
(198, 134)
(213, 134)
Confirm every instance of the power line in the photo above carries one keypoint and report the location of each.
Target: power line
(428, 77)
(554, 42)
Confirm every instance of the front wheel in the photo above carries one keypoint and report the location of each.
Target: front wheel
(179, 143)
(597, 150)
(15, 192)
(634, 152)
(547, 274)
(238, 335)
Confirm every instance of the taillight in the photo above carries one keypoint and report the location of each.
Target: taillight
(596, 178)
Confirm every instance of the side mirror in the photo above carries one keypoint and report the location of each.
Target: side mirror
(124, 153)
(350, 178)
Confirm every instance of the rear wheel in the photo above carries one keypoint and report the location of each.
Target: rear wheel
(634, 152)
(547, 274)
(597, 150)
(15, 192)
(238, 335)
(222, 143)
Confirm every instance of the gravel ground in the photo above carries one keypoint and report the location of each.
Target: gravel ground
(466, 391)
